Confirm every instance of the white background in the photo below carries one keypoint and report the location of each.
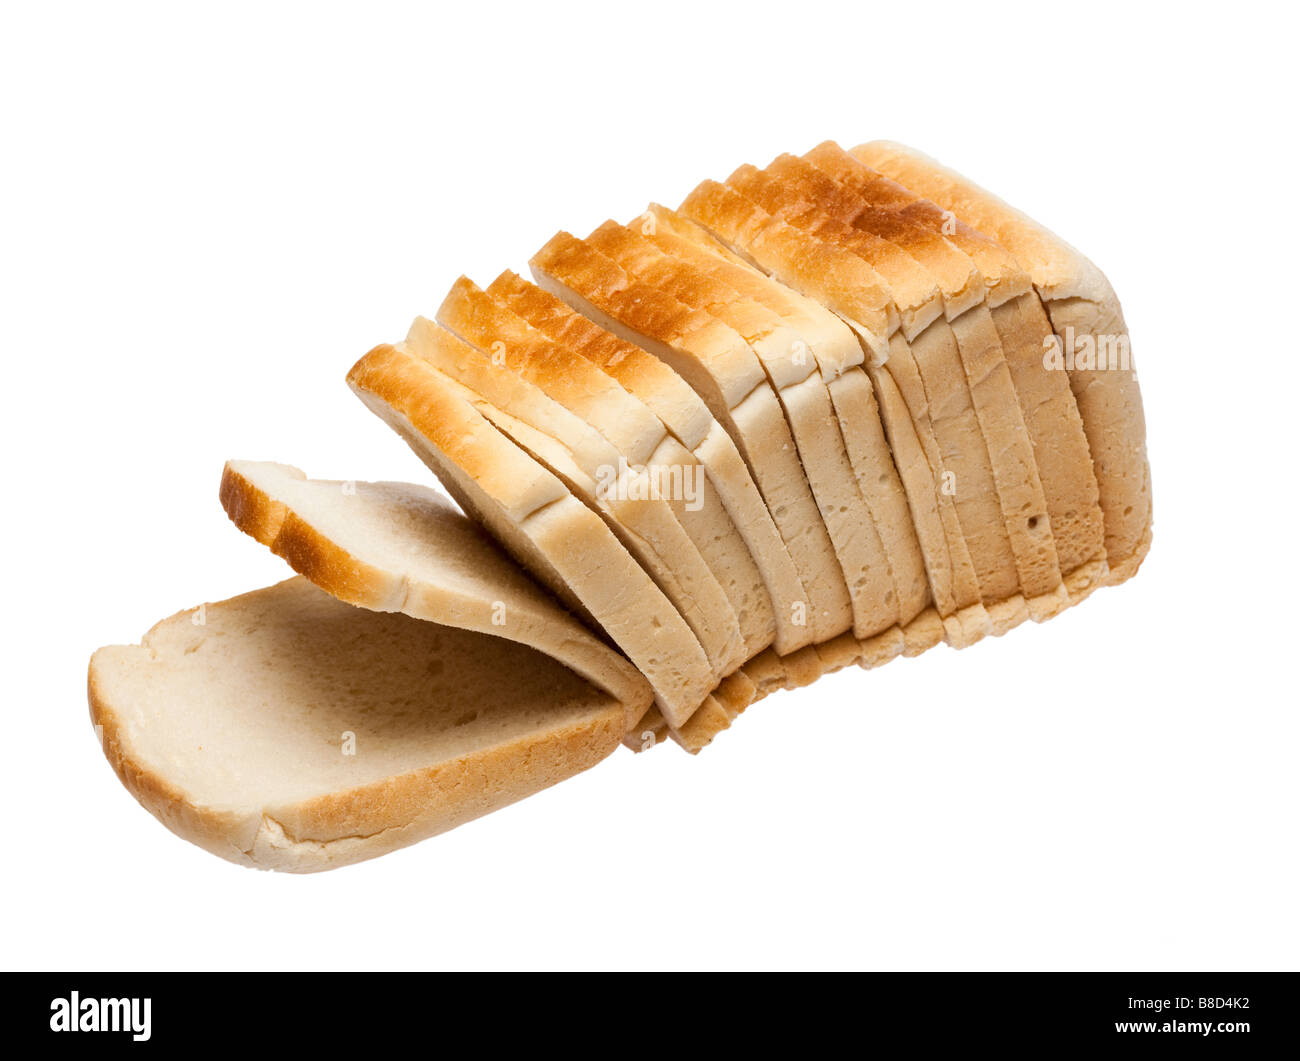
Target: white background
(208, 217)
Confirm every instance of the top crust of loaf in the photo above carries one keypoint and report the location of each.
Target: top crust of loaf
(640, 372)
(848, 286)
(731, 365)
(1059, 270)
(1004, 277)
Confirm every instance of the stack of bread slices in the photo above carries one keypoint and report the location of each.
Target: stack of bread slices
(828, 412)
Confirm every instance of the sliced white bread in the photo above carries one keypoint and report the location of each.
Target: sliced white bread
(1087, 319)
(990, 392)
(840, 357)
(399, 547)
(722, 369)
(794, 376)
(644, 522)
(700, 436)
(941, 404)
(538, 520)
(846, 285)
(1047, 404)
(651, 463)
(284, 729)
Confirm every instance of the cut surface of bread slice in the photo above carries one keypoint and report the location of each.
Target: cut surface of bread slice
(689, 422)
(989, 399)
(399, 547)
(724, 372)
(500, 368)
(1086, 318)
(793, 374)
(1047, 404)
(846, 285)
(535, 517)
(287, 730)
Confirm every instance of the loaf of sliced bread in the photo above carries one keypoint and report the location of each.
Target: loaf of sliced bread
(828, 413)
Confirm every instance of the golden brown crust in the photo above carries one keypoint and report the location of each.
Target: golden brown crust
(306, 550)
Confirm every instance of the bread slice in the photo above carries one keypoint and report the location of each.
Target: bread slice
(398, 547)
(651, 465)
(529, 381)
(724, 372)
(1047, 404)
(794, 376)
(1086, 318)
(284, 729)
(683, 413)
(533, 514)
(839, 355)
(988, 397)
(941, 403)
(847, 286)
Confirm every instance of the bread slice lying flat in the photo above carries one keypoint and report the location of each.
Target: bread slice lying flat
(1082, 306)
(286, 730)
